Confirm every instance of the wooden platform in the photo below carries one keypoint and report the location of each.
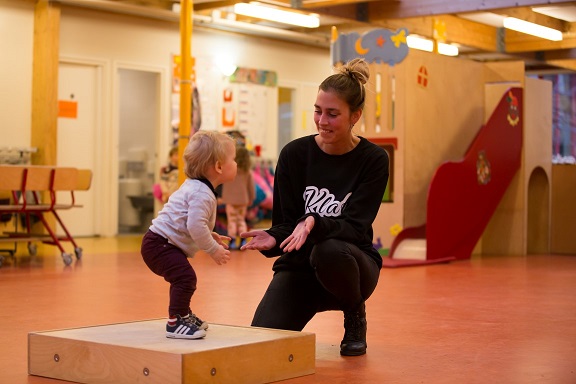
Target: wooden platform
(139, 352)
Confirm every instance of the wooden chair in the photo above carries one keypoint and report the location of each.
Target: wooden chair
(65, 180)
(36, 190)
(28, 203)
(12, 179)
(68, 180)
(71, 179)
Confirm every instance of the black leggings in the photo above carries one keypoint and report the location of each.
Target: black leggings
(341, 277)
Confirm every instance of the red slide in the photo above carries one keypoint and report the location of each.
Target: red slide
(463, 195)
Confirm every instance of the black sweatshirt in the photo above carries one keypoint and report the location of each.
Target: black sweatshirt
(342, 192)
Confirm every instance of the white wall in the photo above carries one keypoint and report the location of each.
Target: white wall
(16, 35)
(126, 41)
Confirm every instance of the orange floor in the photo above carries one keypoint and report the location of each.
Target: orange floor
(487, 320)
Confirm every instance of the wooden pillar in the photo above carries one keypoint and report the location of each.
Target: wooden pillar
(185, 83)
(44, 132)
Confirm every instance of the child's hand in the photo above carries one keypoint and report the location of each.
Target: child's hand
(221, 239)
(221, 255)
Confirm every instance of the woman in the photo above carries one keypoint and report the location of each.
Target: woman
(328, 188)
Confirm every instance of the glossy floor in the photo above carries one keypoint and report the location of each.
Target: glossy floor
(485, 320)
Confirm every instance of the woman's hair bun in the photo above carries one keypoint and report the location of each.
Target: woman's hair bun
(357, 69)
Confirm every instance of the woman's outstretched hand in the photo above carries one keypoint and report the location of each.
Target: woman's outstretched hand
(299, 235)
(261, 240)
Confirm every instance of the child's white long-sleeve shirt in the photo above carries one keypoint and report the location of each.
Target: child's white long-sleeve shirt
(188, 218)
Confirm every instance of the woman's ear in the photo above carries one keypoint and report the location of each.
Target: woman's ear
(355, 117)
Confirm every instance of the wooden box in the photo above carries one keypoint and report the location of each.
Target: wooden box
(139, 352)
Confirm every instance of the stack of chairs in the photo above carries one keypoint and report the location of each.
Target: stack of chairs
(32, 194)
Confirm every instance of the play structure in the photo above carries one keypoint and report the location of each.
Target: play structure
(470, 166)
(464, 194)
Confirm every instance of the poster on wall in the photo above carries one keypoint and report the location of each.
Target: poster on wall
(238, 102)
(209, 82)
(250, 90)
(252, 117)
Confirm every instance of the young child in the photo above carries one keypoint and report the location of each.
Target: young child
(169, 175)
(238, 195)
(185, 225)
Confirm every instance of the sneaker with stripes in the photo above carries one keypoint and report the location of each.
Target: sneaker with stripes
(201, 324)
(183, 328)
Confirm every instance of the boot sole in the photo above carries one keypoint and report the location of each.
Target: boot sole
(352, 353)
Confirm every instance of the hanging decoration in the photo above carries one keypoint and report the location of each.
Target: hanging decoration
(375, 46)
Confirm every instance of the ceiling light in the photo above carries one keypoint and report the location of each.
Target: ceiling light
(487, 18)
(277, 15)
(420, 43)
(423, 44)
(225, 65)
(532, 29)
(447, 49)
(561, 12)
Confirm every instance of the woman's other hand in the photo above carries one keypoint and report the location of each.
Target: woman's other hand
(299, 235)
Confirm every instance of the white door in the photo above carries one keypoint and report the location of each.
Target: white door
(139, 124)
(78, 87)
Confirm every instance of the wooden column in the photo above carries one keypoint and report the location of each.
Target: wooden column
(45, 82)
(185, 83)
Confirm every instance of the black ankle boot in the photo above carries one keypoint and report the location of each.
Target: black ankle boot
(354, 341)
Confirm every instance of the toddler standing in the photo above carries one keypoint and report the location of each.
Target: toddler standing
(185, 225)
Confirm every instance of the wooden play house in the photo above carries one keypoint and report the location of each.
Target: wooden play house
(429, 109)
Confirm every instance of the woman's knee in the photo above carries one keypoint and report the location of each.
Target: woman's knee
(328, 251)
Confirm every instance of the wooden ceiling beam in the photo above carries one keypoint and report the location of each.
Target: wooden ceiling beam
(527, 14)
(475, 35)
(561, 54)
(548, 56)
(566, 64)
(209, 5)
(521, 42)
(307, 4)
(312, 4)
(413, 8)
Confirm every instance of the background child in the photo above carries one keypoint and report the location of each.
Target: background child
(185, 226)
(169, 175)
(238, 195)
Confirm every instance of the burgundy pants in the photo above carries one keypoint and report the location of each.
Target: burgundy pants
(170, 262)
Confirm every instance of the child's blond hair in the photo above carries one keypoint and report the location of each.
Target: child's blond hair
(203, 151)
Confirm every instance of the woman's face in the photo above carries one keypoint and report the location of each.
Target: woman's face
(333, 118)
